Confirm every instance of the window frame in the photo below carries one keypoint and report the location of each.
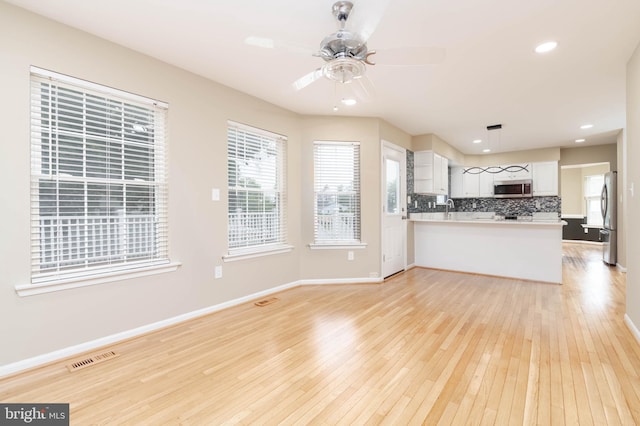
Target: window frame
(338, 243)
(239, 137)
(46, 136)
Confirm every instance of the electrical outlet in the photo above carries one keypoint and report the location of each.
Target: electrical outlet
(474, 205)
(415, 204)
(218, 272)
(537, 204)
(215, 194)
(350, 255)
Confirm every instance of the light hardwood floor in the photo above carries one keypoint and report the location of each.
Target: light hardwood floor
(425, 347)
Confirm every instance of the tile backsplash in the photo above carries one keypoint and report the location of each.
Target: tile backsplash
(501, 206)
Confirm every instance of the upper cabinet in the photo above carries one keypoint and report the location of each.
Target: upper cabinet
(513, 172)
(478, 182)
(430, 173)
(545, 178)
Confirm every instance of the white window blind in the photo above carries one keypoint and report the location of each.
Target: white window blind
(337, 192)
(592, 191)
(257, 198)
(98, 179)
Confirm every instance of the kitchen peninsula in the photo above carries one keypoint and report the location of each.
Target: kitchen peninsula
(529, 248)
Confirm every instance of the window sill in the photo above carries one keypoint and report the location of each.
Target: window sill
(345, 246)
(66, 284)
(584, 225)
(250, 254)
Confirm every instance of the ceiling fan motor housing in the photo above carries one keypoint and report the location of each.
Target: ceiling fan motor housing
(343, 44)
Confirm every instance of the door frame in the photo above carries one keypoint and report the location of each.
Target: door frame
(402, 202)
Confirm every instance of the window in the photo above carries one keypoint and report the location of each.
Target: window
(98, 180)
(336, 193)
(592, 190)
(257, 199)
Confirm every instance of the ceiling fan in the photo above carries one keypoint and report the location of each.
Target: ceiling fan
(346, 54)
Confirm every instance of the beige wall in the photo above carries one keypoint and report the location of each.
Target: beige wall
(571, 191)
(198, 114)
(572, 186)
(633, 181)
(327, 264)
(590, 155)
(531, 155)
(431, 142)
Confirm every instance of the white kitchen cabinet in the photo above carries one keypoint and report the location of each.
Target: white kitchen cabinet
(471, 185)
(486, 185)
(456, 189)
(545, 178)
(430, 173)
(514, 172)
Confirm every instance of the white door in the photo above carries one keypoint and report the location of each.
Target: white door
(394, 210)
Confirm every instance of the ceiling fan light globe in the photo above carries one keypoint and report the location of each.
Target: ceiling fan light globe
(343, 70)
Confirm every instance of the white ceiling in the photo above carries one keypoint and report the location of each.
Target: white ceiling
(490, 74)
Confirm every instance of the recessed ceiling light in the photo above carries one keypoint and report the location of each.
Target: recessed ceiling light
(580, 140)
(349, 101)
(586, 126)
(545, 47)
(335, 108)
(477, 141)
(486, 150)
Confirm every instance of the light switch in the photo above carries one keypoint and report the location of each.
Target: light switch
(215, 194)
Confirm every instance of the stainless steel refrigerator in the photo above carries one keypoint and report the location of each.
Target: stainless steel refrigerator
(609, 217)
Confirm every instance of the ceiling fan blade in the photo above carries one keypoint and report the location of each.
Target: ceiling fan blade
(307, 79)
(270, 43)
(410, 55)
(365, 17)
(363, 88)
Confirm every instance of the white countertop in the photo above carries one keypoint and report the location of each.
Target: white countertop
(489, 218)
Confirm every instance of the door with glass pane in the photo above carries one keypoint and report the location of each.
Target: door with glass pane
(394, 235)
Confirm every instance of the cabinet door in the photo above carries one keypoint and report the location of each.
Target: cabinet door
(545, 178)
(471, 185)
(486, 185)
(456, 182)
(437, 173)
(444, 175)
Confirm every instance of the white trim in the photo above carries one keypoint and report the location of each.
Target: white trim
(584, 225)
(345, 246)
(632, 327)
(334, 281)
(39, 360)
(572, 216)
(66, 284)
(597, 243)
(256, 253)
(621, 268)
(63, 78)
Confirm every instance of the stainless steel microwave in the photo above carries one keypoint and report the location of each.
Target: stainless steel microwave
(513, 189)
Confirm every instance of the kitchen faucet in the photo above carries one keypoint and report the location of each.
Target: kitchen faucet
(448, 204)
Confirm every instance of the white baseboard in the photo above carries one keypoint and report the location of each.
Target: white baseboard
(621, 268)
(40, 360)
(632, 327)
(334, 281)
(595, 243)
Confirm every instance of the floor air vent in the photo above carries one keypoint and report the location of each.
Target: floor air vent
(91, 360)
(266, 302)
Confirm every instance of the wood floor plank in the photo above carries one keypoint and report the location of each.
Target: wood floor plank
(424, 347)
